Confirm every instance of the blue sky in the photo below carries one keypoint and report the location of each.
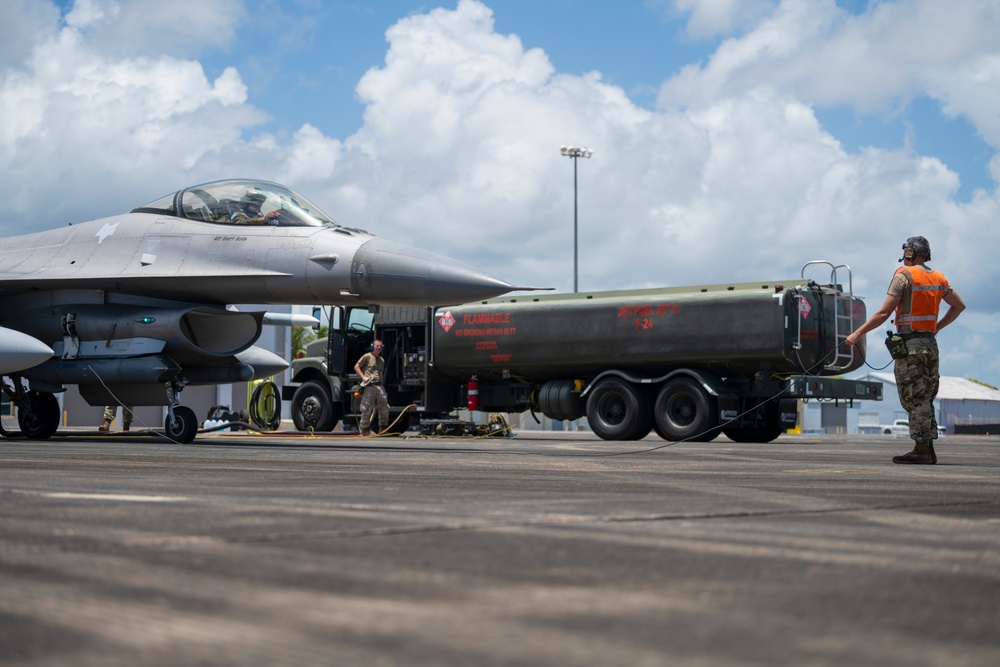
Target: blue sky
(634, 45)
(317, 51)
(734, 139)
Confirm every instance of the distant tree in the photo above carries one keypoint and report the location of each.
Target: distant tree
(302, 336)
(988, 386)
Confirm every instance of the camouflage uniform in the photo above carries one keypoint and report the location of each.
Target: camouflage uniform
(917, 380)
(244, 218)
(109, 417)
(373, 366)
(917, 375)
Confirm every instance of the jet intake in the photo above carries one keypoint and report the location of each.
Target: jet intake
(218, 332)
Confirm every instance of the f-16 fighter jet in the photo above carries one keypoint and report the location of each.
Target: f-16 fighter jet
(136, 305)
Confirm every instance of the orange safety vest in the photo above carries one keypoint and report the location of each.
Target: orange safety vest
(929, 287)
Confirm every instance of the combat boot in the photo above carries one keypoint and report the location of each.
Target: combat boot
(365, 432)
(922, 454)
(105, 427)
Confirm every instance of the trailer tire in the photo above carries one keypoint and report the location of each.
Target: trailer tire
(685, 411)
(312, 408)
(618, 410)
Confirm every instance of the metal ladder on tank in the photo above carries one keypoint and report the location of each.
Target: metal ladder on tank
(843, 324)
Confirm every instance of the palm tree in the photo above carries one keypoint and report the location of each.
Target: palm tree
(302, 336)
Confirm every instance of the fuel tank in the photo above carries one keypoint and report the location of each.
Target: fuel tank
(780, 327)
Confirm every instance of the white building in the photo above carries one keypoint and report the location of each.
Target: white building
(960, 402)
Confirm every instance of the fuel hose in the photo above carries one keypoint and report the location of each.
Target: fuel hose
(265, 407)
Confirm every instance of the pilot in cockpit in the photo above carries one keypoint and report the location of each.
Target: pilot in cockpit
(249, 211)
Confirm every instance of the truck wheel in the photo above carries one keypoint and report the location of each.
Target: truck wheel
(41, 419)
(312, 408)
(685, 411)
(617, 410)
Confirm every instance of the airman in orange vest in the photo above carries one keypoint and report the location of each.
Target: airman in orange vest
(915, 295)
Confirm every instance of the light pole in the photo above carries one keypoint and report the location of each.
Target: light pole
(575, 153)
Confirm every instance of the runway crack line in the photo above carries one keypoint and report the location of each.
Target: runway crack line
(188, 541)
(578, 520)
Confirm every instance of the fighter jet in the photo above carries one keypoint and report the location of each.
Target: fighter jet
(135, 305)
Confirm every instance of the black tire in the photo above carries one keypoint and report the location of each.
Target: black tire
(312, 408)
(685, 411)
(41, 419)
(767, 429)
(618, 410)
(187, 425)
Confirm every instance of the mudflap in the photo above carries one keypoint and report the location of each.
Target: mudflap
(729, 408)
(788, 413)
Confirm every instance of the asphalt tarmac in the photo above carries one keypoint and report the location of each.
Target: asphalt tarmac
(543, 549)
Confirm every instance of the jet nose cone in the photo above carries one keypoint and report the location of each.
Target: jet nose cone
(20, 351)
(391, 273)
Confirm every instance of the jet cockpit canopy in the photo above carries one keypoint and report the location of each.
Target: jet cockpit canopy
(240, 201)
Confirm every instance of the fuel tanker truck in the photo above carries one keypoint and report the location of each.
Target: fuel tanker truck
(687, 362)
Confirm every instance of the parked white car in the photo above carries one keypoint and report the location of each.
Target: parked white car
(901, 429)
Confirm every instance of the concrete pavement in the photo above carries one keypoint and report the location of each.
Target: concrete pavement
(555, 549)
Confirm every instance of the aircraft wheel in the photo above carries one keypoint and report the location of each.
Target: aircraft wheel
(187, 425)
(41, 419)
(684, 411)
(312, 408)
(618, 410)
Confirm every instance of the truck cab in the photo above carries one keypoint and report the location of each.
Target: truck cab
(325, 390)
(321, 388)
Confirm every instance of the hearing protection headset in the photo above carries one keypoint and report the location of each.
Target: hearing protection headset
(916, 245)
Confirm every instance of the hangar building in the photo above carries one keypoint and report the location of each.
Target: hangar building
(962, 405)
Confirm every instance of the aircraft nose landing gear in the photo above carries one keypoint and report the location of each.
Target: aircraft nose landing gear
(180, 424)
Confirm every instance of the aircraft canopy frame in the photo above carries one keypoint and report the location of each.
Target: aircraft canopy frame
(226, 202)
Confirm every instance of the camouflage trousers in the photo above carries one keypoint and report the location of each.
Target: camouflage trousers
(374, 395)
(111, 410)
(917, 380)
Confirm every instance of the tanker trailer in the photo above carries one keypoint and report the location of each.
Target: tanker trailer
(689, 362)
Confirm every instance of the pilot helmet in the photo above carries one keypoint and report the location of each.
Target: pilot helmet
(916, 245)
(254, 197)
